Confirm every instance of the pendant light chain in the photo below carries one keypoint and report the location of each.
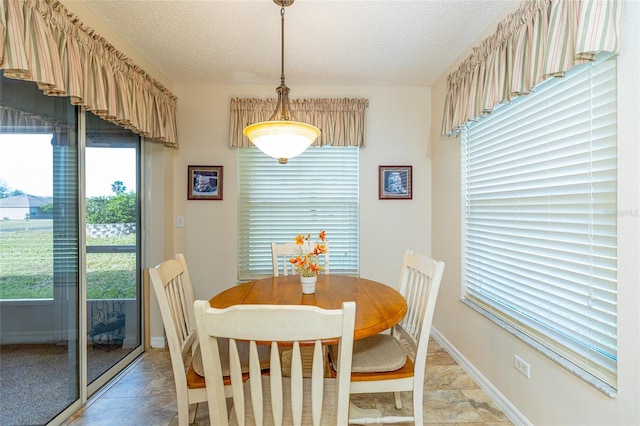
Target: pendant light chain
(282, 46)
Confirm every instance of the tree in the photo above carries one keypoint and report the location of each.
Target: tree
(47, 208)
(5, 190)
(120, 208)
(118, 187)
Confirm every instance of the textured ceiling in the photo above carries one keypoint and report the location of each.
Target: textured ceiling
(327, 42)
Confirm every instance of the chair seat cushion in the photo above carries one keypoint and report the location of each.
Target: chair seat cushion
(378, 353)
(329, 403)
(243, 352)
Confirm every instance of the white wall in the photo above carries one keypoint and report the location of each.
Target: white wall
(397, 134)
(552, 396)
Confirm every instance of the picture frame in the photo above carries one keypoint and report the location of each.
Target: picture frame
(395, 182)
(205, 182)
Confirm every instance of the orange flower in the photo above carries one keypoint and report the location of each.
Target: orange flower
(319, 249)
(296, 261)
(307, 262)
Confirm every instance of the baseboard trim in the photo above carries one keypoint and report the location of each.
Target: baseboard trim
(505, 405)
(26, 337)
(158, 342)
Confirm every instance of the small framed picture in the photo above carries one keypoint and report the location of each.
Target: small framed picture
(205, 183)
(395, 183)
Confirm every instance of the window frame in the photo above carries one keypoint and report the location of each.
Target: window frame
(483, 293)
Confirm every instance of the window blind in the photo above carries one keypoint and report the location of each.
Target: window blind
(314, 191)
(540, 222)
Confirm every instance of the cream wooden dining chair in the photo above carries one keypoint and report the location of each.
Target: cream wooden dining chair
(275, 399)
(282, 252)
(174, 292)
(381, 363)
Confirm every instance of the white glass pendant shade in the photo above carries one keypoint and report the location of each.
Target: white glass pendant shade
(280, 139)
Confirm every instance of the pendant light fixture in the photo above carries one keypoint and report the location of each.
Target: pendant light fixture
(282, 137)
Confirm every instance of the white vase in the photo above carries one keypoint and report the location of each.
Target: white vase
(308, 284)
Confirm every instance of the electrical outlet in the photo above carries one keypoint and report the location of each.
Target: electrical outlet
(523, 367)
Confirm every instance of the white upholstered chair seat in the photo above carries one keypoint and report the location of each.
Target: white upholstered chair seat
(378, 353)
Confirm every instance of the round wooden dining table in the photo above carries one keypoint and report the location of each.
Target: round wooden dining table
(378, 306)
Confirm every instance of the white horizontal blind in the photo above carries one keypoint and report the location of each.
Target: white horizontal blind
(314, 191)
(540, 223)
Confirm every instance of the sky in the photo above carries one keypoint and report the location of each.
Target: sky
(25, 164)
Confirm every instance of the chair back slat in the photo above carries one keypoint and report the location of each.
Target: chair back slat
(275, 377)
(317, 382)
(296, 384)
(177, 302)
(282, 400)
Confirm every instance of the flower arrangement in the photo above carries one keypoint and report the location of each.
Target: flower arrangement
(308, 262)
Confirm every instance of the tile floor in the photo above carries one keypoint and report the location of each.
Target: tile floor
(145, 395)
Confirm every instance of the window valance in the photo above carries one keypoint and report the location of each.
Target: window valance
(542, 39)
(16, 121)
(341, 121)
(41, 41)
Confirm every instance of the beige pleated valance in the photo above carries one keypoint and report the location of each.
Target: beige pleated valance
(341, 121)
(542, 39)
(41, 41)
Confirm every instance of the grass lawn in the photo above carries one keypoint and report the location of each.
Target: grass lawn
(26, 263)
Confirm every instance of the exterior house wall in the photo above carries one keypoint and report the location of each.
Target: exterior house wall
(20, 207)
(13, 213)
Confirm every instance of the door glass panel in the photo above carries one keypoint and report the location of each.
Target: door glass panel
(113, 271)
(39, 255)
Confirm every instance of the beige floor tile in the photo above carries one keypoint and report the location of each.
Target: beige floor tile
(145, 395)
(488, 409)
(447, 377)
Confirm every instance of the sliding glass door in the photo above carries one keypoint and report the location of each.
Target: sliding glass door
(112, 246)
(40, 340)
(70, 272)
